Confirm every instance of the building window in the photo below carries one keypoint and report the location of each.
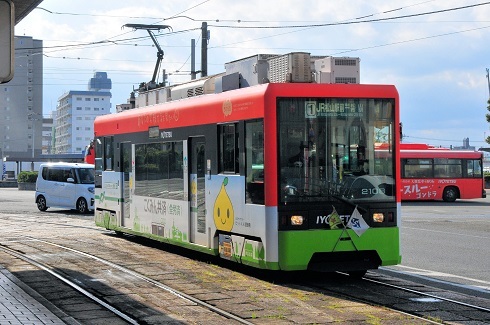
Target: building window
(96, 108)
(87, 108)
(96, 99)
(79, 108)
(88, 118)
(79, 98)
(79, 118)
(88, 99)
(87, 128)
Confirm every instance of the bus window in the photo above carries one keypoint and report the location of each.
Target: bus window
(473, 168)
(447, 168)
(417, 168)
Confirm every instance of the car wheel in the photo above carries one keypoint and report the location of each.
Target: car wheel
(41, 203)
(82, 206)
(450, 194)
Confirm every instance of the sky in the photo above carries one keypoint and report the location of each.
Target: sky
(435, 52)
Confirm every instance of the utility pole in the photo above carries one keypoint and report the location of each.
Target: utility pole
(193, 59)
(204, 49)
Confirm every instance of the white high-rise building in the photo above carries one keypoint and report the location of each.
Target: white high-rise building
(75, 114)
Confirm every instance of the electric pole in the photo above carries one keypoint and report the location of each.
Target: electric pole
(204, 49)
(193, 59)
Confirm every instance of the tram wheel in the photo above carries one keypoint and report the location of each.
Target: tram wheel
(82, 206)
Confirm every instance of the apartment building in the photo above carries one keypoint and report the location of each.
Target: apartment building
(75, 114)
(21, 102)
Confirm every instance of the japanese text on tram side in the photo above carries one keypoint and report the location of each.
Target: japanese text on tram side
(161, 207)
(156, 118)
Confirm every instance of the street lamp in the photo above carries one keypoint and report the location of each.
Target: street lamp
(31, 117)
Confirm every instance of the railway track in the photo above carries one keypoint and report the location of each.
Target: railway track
(435, 305)
(148, 283)
(84, 287)
(425, 296)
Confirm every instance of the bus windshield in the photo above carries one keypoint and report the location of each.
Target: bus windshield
(336, 148)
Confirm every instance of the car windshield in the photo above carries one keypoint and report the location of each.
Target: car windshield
(336, 148)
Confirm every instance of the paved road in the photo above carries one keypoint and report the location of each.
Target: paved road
(449, 241)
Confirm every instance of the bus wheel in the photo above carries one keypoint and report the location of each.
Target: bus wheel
(82, 205)
(450, 194)
(41, 203)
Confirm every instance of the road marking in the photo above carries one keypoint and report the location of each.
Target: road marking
(439, 274)
(445, 232)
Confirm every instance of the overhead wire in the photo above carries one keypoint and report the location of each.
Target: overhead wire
(111, 41)
(353, 22)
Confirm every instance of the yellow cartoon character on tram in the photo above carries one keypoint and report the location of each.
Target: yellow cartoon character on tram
(224, 216)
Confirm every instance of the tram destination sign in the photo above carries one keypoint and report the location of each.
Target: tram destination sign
(315, 109)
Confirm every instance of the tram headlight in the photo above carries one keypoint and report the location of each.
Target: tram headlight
(297, 220)
(378, 217)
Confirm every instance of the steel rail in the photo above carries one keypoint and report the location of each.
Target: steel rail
(72, 284)
(160, 285)
(427, 295)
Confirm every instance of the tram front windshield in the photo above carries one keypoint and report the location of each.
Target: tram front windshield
(336, 148)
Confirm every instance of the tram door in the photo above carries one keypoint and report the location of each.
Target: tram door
(197, 175)
(126, 176)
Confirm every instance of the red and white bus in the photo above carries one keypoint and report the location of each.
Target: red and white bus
(431, 173)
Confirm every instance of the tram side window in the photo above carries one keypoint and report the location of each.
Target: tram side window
(99, 158)
(417, 168)
(159, 171)
(254, 139)
(109, 153)
(228, 149)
